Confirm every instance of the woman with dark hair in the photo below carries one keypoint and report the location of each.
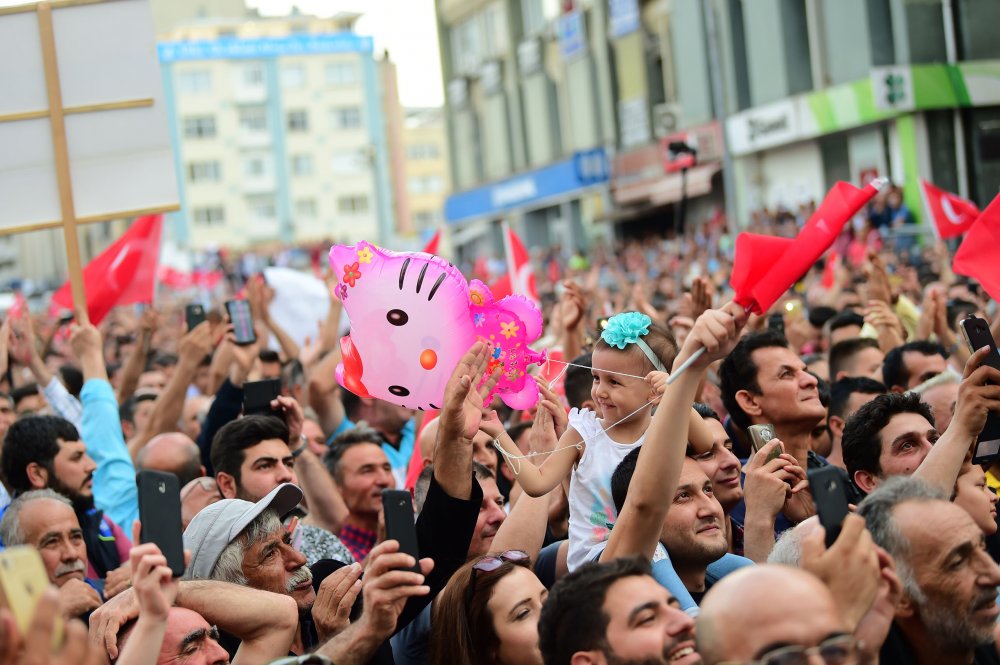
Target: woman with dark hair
(488, 614)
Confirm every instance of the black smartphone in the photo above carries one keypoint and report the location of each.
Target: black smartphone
(160, 514)
(776, 322)
(195, 315)
(977, 335)
(242, 320)
(829, 487)
(257, 397)
(397, 506)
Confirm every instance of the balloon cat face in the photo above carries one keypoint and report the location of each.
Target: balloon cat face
(413, 317)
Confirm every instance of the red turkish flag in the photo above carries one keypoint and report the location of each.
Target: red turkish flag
(979, 254)
(433, 243)
(520, 277)
(123, 274)
(952, 214)
(762, 273)
(830, 271)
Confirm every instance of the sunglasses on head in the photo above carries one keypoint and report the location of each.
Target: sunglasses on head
(490, 563)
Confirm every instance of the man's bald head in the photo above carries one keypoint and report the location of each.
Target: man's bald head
(174, 453)
(746, 614)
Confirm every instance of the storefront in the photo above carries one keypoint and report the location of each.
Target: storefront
(555, 204)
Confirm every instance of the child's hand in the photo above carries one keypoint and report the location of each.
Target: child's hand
(658, 383)
(491, 425)
(559, 418)
(717, 331)
(542, 437)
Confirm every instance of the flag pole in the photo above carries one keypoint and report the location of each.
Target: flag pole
(928, 212)
(509, 252)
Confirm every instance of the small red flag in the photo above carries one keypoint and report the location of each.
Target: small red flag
(979, 254)
(520, 277)
(432, 245)
(952, 214)
(123, 274)
(761, 275)
(830, 271)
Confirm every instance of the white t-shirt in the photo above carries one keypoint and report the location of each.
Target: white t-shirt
(591, 508)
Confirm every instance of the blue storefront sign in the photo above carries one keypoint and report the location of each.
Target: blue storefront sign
(623, 17)
(264, 47)
(572, 34)
(584, 169)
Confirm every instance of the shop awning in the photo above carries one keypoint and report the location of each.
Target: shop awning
(667, 189)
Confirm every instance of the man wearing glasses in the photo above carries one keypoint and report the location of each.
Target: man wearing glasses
(746, 620)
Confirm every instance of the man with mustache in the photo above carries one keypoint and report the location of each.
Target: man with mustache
(45, 520)
(46, 452)
(949, 609)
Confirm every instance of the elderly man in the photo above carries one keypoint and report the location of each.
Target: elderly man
(949, 609)
(45, 520)
(174, 453)
(745, 618)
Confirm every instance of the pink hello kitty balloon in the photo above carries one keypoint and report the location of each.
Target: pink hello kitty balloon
(413, 317)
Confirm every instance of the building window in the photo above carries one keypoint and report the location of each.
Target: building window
(199, 127)
(306, 208)
(302, 165)
(425, 219)
(422, 151)
(467, 45)
(346, 117)
(253, 75)
(352, 205)
(253, 119)
(293, 76)
(341, 73)
(298, 121)
(211, 216)
(203, 172)
(262, 207)
(431, 184)
(495, 30)
(346, 162)
(254, 167)
(194, 81)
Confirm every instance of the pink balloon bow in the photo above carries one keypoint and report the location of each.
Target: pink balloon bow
(413, 316)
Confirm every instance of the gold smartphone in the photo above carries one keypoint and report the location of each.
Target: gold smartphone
(23, 580)
(759, 436)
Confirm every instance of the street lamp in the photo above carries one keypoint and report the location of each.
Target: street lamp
(681, 155)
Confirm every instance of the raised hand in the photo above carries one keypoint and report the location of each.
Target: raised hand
(39, 638)
(332, 610)
(466, 391)
(388, 585)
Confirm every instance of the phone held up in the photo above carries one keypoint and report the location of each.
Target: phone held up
(397, 506)
(194, 314)
(977, 335)
(759, 436)
(23, 580)
(829, 488)
(160, 514)
(258, 395)
(242, 320)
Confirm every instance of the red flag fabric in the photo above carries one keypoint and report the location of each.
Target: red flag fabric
(123, 274)
(761, 275)
(830, 271)
(979, 254)
(433, 244)
(521, 277)
(952, 214)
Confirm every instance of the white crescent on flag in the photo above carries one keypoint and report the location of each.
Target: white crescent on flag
(113, 270)
(949, 211)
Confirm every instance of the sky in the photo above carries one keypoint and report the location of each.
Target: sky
(407, 28)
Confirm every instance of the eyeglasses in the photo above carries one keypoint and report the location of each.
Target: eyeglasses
(207, 484)
(840, 650)
(488, 564)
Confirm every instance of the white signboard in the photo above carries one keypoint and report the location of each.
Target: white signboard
(763, 127)
(892, 88)
(117, 141)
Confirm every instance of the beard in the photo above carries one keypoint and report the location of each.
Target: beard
(81, 503)
(954, 631)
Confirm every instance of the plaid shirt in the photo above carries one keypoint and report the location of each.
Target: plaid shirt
(359, 541)
(63, 403)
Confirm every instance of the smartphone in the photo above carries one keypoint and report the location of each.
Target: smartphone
(759, 436)
(397, 506)
(977, 335)
(160, 514)
(257, 397)
(23, 580)
(242, 320)
(195, 315)
(829, 487)
(776, 322)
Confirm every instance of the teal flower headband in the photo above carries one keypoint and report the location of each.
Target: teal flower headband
(629, 328)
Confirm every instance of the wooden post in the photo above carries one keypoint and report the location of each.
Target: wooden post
(60, 149)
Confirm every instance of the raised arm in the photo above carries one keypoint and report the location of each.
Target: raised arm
(978, 394)
(538, 481)
(148, 323)
(260, 296)
(651, 491)
(26, 351)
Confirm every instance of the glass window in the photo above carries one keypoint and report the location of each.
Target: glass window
(293, 76)
(494, 30)
(346, 117)
(298, 121)
(302, 165)
(253, 119)
(353, 204)
(431, 184)
(422, 151)
(199, 127)
(203, 172)
(254, 167)
(194, 81)
(262, 207)
(467, 45)
(346, 162)
(305, 208)
(253, 75)
(341, 73)
(211, 216)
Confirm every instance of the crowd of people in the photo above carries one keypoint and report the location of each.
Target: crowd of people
(623, 519)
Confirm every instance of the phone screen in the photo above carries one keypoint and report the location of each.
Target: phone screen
(242, 320)
(977, 334)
